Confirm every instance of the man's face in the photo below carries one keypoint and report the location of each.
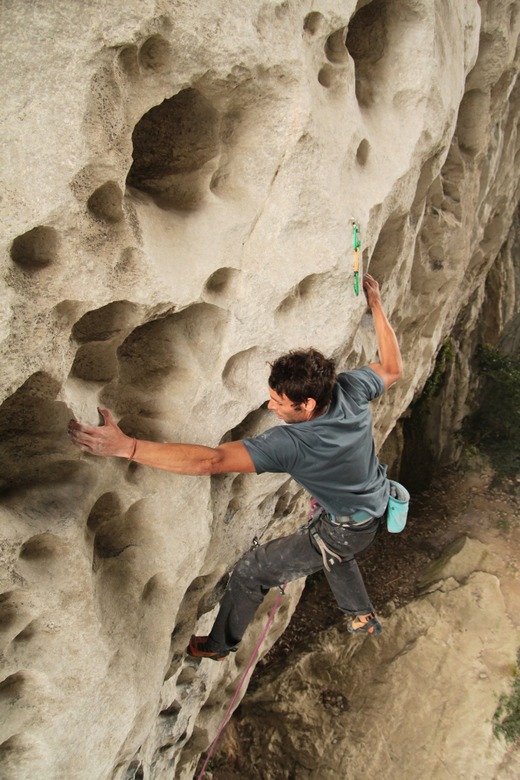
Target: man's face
(287, 410)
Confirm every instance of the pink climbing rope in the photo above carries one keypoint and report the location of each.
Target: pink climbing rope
(242, 679)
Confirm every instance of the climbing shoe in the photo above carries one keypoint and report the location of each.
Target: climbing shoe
(198, 648)
(370, 625)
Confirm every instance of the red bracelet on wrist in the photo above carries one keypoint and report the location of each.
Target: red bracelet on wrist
(131, 457)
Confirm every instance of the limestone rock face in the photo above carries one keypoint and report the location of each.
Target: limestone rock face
(178, 185)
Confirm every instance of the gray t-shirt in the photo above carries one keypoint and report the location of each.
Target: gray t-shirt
(333, 456)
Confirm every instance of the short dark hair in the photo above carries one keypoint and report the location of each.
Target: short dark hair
(302, 374)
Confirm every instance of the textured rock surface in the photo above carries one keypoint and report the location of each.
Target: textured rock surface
(178, 181)
(416, 703)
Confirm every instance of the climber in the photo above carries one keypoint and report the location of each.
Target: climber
(326, 446)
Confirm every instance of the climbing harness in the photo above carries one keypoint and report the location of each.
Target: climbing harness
(355, 520)
(324, 550)
(357, 244)
(242, 680)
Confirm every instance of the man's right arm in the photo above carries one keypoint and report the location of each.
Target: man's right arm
(390, 366)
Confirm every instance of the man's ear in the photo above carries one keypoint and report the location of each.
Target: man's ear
(310, 404)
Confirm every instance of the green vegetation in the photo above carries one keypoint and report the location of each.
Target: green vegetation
(494, 427)
(503, 522)
(506, 720)
(434, 383)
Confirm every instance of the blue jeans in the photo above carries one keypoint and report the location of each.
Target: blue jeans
(286, 559)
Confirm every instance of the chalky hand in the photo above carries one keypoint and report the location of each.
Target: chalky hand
(106, 440)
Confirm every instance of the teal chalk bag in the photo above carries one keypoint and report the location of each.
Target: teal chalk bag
(397, 510)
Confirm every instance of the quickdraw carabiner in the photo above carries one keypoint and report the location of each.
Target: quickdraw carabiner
(357, 244)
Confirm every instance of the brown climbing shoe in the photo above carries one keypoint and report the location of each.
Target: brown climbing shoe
(198, 648)
(369, 625)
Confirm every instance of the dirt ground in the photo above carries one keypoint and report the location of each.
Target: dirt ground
(462, 501)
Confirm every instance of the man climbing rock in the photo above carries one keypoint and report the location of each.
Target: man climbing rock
(327, 446)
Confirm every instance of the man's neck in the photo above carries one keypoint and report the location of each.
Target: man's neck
(321, 412)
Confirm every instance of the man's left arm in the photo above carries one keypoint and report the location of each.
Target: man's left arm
(108, 440)
(390, 366)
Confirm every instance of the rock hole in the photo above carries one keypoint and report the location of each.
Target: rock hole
(366, 43)
(27, 633)
(106, 203)
(326, 76)
(436, 258)
(278, 505)
(128, 61)
(225, 498)
(114, 537)
(429, 172)
(307, 289)
(134, 771)
(219, 180)
(167, 746)
(240, 368)
(21, 751)
(174, 350)
(282, 10)
(8, 617)
(154, 590)
(13, 686)
(363, 152)
(232, 508)
(108, 545)
(32, 426)
(95, 362)
(154, 54)
(186, 677)
(472, 122)
(66, 313)
(107, 507)
(36, 249)
(389, 247)
(335, 48)
(214, 702)
(254, 423)
(198, 742)
(171, 711)
(174, 144)
(207, 594)
(42, 546)
(199, 598)
(450, 181)
(11, 609)
(285, 505)
(313, 22)
(181, 739)
(220, 281)
(106, 322)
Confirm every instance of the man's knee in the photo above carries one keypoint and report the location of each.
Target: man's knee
(247, 571)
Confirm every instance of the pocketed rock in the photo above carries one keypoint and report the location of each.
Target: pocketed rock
(179, 181)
